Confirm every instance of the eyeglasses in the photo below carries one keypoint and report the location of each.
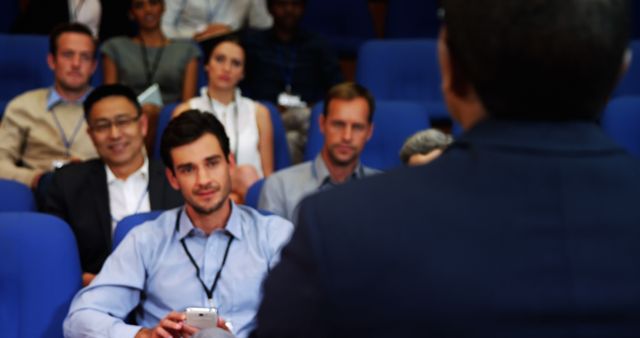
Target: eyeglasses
(121, 122)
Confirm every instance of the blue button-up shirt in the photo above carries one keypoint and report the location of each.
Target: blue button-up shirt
(151, 260)
(54, 98)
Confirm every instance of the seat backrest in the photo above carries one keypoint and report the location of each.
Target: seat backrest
(15, 196)
(405, 70)
(394, 122)
(630, 82)
(621, 121)
(23, 64)
(412, 19)
(346, 24)
(163, 121)
(127, 223)
(39, 275)
(281, 155)
(253, 194)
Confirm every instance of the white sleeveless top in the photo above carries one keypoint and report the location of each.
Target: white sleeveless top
(240, 124)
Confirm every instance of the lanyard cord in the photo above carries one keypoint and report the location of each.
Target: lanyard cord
(287, 68)
(208, 291)
(144, 194)
(236, 131)
(150, 70)
(68, 142)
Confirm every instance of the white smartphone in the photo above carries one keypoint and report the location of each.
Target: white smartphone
(201, 317)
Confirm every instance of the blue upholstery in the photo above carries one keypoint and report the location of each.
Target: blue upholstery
(163, 121)
(281, 155)
(412, 19)
(39, 275)
(630, 83)
(15, 196)
(621, 121)
(393, 122)
(126, 224)
(406, 70)
(253, 194)
(345, 24)
(23, 64)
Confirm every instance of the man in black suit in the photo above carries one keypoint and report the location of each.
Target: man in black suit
(527, 226)
(94, 195)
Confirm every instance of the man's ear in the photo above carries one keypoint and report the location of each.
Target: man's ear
(173, 181)
(232, 161)
(144, 123)
(462, 100)
(50, 61)
(370, 133)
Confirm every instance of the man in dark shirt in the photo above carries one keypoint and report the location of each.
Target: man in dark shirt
(291, 67)
(286, 58)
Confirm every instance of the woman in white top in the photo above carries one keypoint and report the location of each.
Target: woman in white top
(247, 123)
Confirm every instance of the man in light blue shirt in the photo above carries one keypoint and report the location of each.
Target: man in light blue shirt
(209, 253)
(346, 124)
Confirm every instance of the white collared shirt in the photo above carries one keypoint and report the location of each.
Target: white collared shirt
(88, 12)
(128, 196)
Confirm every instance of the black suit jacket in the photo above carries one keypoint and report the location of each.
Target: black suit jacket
(520, 229)
(41, 16)
(79, 195)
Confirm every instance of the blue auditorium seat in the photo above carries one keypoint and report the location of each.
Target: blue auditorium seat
(630, 82)
(163, 121)
(621, 121)
(403, 70)
(281, 155)
(15, 196)
(39, 275)
(393, 122)
(23, 64)
(126, 224)
(345, 24)
(253, 194)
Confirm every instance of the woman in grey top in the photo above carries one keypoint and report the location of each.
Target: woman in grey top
(150, 58)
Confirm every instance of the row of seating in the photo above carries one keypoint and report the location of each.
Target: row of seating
(42, 270)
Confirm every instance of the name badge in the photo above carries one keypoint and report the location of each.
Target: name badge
(290, 100)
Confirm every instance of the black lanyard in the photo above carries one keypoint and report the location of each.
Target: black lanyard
(287, 68)
(208, 291)
(150, 70)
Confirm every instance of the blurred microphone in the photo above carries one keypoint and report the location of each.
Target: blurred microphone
(214, 332)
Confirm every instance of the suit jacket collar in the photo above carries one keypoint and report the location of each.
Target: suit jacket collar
(554, 136)
(98, 184)
(156, 185)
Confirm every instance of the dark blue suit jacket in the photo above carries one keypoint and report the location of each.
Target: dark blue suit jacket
(520, 229)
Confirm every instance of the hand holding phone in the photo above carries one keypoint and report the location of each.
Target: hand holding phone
(201, 317)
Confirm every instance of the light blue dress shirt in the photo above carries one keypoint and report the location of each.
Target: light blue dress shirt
(282, 192)
(152, 261)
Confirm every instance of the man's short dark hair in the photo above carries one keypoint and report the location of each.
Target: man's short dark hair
(543, 59)
(188, 127)
(110, 90)
(349, 91)
(73, 27)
